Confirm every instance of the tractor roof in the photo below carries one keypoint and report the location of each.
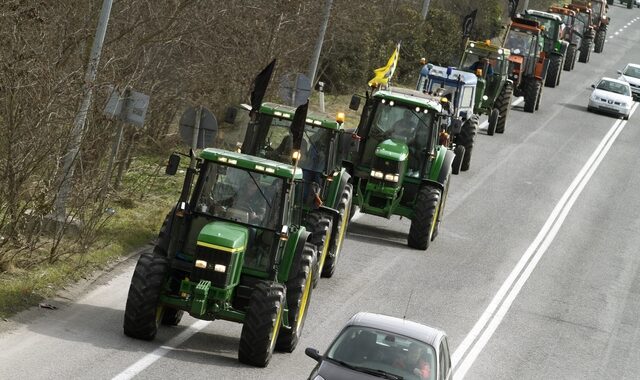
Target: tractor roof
(245, 161)
(485, 49)
(562, 10)
(524, 24)
(464, 77)
(410, 97)
(542, 14)
(313, 118)
(580, 8)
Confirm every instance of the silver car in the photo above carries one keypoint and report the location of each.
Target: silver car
(631, 74)
(373, 346)
(611, 96)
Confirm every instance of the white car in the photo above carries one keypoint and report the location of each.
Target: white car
(631, 74)
(611, 96)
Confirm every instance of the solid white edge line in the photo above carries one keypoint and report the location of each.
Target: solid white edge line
(161, 351)
(485, 123)
(491, 309)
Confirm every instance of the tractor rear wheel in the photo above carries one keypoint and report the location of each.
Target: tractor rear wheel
(601, 37)
(467, 137)
(494, 115)
(299, 288)
(570, 60)
(553, 73)
(540, 87)
(142, 314)
(532, 89)
(320, 225)
(585, 51)
(171, 317)
(261, 324)
(503, 104)
(345, 207)
(443, 202)
(425, 217)
(458, 151)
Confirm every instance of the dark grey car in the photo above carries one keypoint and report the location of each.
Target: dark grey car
(374, 346)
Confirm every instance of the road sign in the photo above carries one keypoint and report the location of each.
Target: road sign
(207, 130)
(127, 106)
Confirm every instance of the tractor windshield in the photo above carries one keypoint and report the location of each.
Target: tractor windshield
(582, 21)
(520, 42)
(393, 121)
(314, 149)
(473, 60)
(596, 10)
(239, 195)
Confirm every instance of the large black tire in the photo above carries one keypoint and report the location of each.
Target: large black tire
(261, 324)
(142, 315)
(553, 73)
(320, 225)
(585, 50)
(494, 115)
(601, 37)
(467, 137)
(425, 218)
(570, 60)
(456, 164)
(344, 209)
(443, 202)
(299, 288)
(540, 87)
(532, 89)
(629, 4)
(171, 317)
(503, 104)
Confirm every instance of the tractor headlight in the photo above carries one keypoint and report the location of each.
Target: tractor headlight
(376, 174)
(392, 177)
(220, 268)
(201, 264)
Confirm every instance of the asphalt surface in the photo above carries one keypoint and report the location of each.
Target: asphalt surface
(534, 274)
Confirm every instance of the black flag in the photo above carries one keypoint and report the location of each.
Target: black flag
(260, 86)
(513, 7)
(297, 125)
(467, 24)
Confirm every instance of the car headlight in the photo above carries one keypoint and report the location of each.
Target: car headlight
(318, 377)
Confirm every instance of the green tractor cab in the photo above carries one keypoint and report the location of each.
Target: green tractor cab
(398, 164)
(494, 88)
(233, 248)
(328, 192)
(555, 47)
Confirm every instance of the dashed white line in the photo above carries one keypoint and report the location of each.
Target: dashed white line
(485, 123)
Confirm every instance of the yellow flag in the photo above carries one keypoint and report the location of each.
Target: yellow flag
(385, 73)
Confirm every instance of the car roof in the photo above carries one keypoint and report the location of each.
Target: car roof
(615, 81)
(415, 330)
(637, 66)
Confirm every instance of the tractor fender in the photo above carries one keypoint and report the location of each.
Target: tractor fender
(441, 166)
(294, 246)
(337, 187)
(564, 46)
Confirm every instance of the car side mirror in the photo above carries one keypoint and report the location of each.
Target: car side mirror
(620, 72)
(593, 86)
(313, 354)
(172, 165)
(354, 104)
(230, 115)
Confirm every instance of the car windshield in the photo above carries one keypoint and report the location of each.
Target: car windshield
(632, 71)
(368, 349)
(239, 195)
(615, 87)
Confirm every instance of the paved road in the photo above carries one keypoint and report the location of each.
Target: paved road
(534, 273)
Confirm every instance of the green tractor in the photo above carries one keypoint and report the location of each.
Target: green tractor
(233, 248)
(494, 88)
(398, 163)
(555, 47)
(328, 192)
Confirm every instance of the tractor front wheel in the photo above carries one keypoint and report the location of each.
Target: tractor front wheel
(553, 75)
(261, 324)
(503, 104)
(458, 151)
(345, 207)
(585, 51)
(425, 217)
(467, 138)
(299, 288)
(532, 88)
(601, 37)
(320, 225)
(570, 60)
(142, 314)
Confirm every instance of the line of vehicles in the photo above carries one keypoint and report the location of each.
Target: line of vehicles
(254, 229)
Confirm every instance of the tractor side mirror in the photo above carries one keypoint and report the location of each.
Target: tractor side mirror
(172, 165)
(230, 115)
(354, 104)
(355, 143)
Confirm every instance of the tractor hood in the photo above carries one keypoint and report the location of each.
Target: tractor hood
(224, 236)
(392, 150)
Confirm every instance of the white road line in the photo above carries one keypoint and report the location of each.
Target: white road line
(477, 338)
(161, 351)
(616, 33)
(357, 215)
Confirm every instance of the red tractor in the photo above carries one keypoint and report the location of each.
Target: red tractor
(600, 21)
(528, 63)
(585, 29)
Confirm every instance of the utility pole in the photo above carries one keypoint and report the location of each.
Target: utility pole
(77, 132)
(425, 8)
(313, 66)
